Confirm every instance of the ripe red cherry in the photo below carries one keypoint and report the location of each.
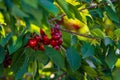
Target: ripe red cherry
(57, 47)
(37, 37)
(45, 38)
(41, 47)
(60, 41)
(52, 31)
(32, 42)
(42, 32)
(56, 36)
(53, 43)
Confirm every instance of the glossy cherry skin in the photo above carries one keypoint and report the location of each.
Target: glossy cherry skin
(41, 47)
(37, 37)
(32, 42)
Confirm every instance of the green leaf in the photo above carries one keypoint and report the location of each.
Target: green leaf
(74, 40)
(33, 3)
(87, 50)
(117, 32)
(111, 58)
(111, 5)
(2, 31)
(97, 32)
(23, 69)
(33, 67)
(36, 14)
(75, 12)
(4, 41)
(73, 58)
(18, 12)
(90, 71)
(66, 39)
(49, 7)
(14, 47)
(108, 41)
(1, 69)
(55, 57)
(41, 57)
(111, 14)
(64, 5)
(116, 74)
(18, 60)
(30, 53)
(98, 12)
(2, 54)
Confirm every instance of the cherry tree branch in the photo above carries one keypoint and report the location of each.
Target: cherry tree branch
(75, 33)
(92, 5)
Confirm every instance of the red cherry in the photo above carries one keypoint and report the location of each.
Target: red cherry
(52, 31)
(42, 32)
(56, 36)
(60, 41)
(53, 43)
(32, 42)
(46, 42)
(45, 38)
(37, 37)
(57, 47)
(60, 33)
(41, 48)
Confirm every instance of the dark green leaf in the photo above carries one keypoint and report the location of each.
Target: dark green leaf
(74, 40)
(30, 53)
(18, 13)
(87, 50)
(55, 56)
(111, 14)
(2, 54)
(36, 14)
(15, 45)
(64, 5)
(111, 58)
(33, 3)
(41, 57)
(23, 69)
(73, 58)
(18, 60)
(1, 69)
(49, 7)
(4, 41)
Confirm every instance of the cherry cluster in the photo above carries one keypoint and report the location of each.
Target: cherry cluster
(7, 61)
(56, 39)
(37, 42)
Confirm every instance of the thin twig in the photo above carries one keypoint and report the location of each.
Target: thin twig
(75, 33)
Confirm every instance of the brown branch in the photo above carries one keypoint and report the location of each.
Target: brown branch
(75, 33)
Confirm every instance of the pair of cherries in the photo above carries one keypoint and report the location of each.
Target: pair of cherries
(38, 42)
